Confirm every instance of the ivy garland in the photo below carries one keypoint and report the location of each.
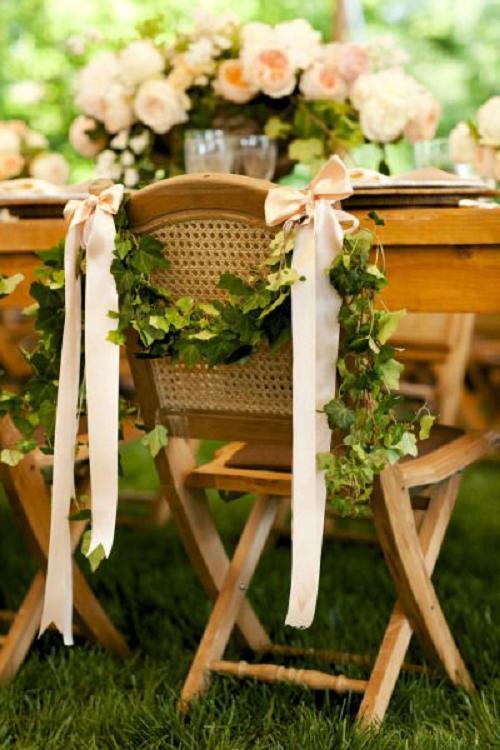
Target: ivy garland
(369, 426)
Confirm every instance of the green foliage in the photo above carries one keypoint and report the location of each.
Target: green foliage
(156, 439)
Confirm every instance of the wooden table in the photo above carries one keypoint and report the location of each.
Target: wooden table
(437, 259)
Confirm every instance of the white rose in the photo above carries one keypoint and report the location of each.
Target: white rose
(139, 143)
(120, 141)
(131, 177)
(488, 122)
(231, 84)
(79, 139)
(139, 61)
(160, 106)
(382, 119)
(51, 168)
(300, 40)
(200, 53)
(462, 145)
(270, 70)
(9, 139)
(118, 114)
(322, 81)
(257, 34)
(107, 166)
(423, 125)
(485, 162)
(94, 82)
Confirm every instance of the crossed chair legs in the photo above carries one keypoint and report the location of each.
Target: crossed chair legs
(28, 496)
(411, 540)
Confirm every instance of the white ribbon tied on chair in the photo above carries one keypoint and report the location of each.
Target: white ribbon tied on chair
(315, 334)
(92, 227)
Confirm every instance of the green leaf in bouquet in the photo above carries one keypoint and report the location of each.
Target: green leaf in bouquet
(277, 128)
(306, 151)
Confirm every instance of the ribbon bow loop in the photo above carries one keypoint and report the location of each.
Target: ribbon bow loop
(332, 183)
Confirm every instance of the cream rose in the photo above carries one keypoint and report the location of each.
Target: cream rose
(231, 84)
(117, 110)
(51, 168)
(271, 71)
(79, 139)
(462, 145)
(138, 61)
(9, 140)
(382, 119)
(11, 164)
(94, 82)
(422, 127)
(35, 140)
(485, 162)
(351, 60)
(322, 81)
(107, 166)
(160, 106)
(488, 122)
(300, 40)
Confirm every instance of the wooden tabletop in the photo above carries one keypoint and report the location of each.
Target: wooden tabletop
(437, 259)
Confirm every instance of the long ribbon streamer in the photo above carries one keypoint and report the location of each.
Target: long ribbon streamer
(92, 228)
(315, 334)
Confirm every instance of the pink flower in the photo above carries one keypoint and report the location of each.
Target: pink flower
(271, 71)
(80, 140)
(11, 164)
(51, 168)
(322, 81)
(231, 84)
(350, 59)
(485, 162)
(422, 126)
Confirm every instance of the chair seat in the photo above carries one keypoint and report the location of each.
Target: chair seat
(244, 467)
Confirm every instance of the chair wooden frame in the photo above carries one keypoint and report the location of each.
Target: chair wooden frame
(28, 496)
(410, 541)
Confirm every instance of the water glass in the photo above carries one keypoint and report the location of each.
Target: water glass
(434, 153)
(208, 151)
(258, 156)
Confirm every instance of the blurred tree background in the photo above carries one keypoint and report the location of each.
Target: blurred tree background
(453, 47)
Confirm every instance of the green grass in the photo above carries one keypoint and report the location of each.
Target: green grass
(84, 699)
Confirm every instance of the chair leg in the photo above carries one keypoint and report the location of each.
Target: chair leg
(398, 536)
(199, 534)
(22, 631)
(398, 632)
(231, 597)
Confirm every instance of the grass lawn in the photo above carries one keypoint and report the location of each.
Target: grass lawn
(84, 699)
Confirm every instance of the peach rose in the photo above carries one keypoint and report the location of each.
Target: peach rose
(485, 162)
(271, 71)
(231, 84)
(138, 61)
(80, 140)
(50, 168)
(488, 122)
(422, 127)
(159, 106)
(462, 145)
(350, 59)
(9, 139)
(11, 164)
(117, 112)
(322, 81)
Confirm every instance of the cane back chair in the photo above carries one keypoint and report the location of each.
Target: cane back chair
(215, 223)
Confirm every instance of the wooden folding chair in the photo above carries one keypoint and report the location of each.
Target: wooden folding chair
(28, 495)
(210, 224)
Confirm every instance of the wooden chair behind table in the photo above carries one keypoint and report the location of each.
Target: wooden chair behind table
(28, 495)
(215, 223)
(435, 350)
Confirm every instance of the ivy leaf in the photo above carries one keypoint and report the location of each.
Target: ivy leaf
(97, 555)
(388, 322)
(390, 372)
(116, 337)
(407, 445)
(376, 218)
(283, 277)
(185, 304)
(339, 415)
(11, 456)
(156, 439)
(234, 285)
(306, 150)
(83, 514)
(190, 354)
(9, 283)
(426, 422)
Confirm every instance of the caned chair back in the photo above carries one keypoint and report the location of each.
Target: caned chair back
(211, 224)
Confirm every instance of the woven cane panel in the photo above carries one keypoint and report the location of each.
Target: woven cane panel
(199, 251)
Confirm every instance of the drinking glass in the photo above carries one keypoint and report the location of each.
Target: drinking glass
(434, 153)
(208, 151)
(258, 156)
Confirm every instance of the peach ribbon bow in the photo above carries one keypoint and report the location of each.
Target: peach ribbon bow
(315, 334)
(92, 228)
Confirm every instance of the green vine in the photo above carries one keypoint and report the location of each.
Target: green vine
(370, 428)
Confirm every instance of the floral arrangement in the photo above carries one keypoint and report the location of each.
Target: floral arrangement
(315, 99)
(370, 428)
(24, 153)
(477, 142)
